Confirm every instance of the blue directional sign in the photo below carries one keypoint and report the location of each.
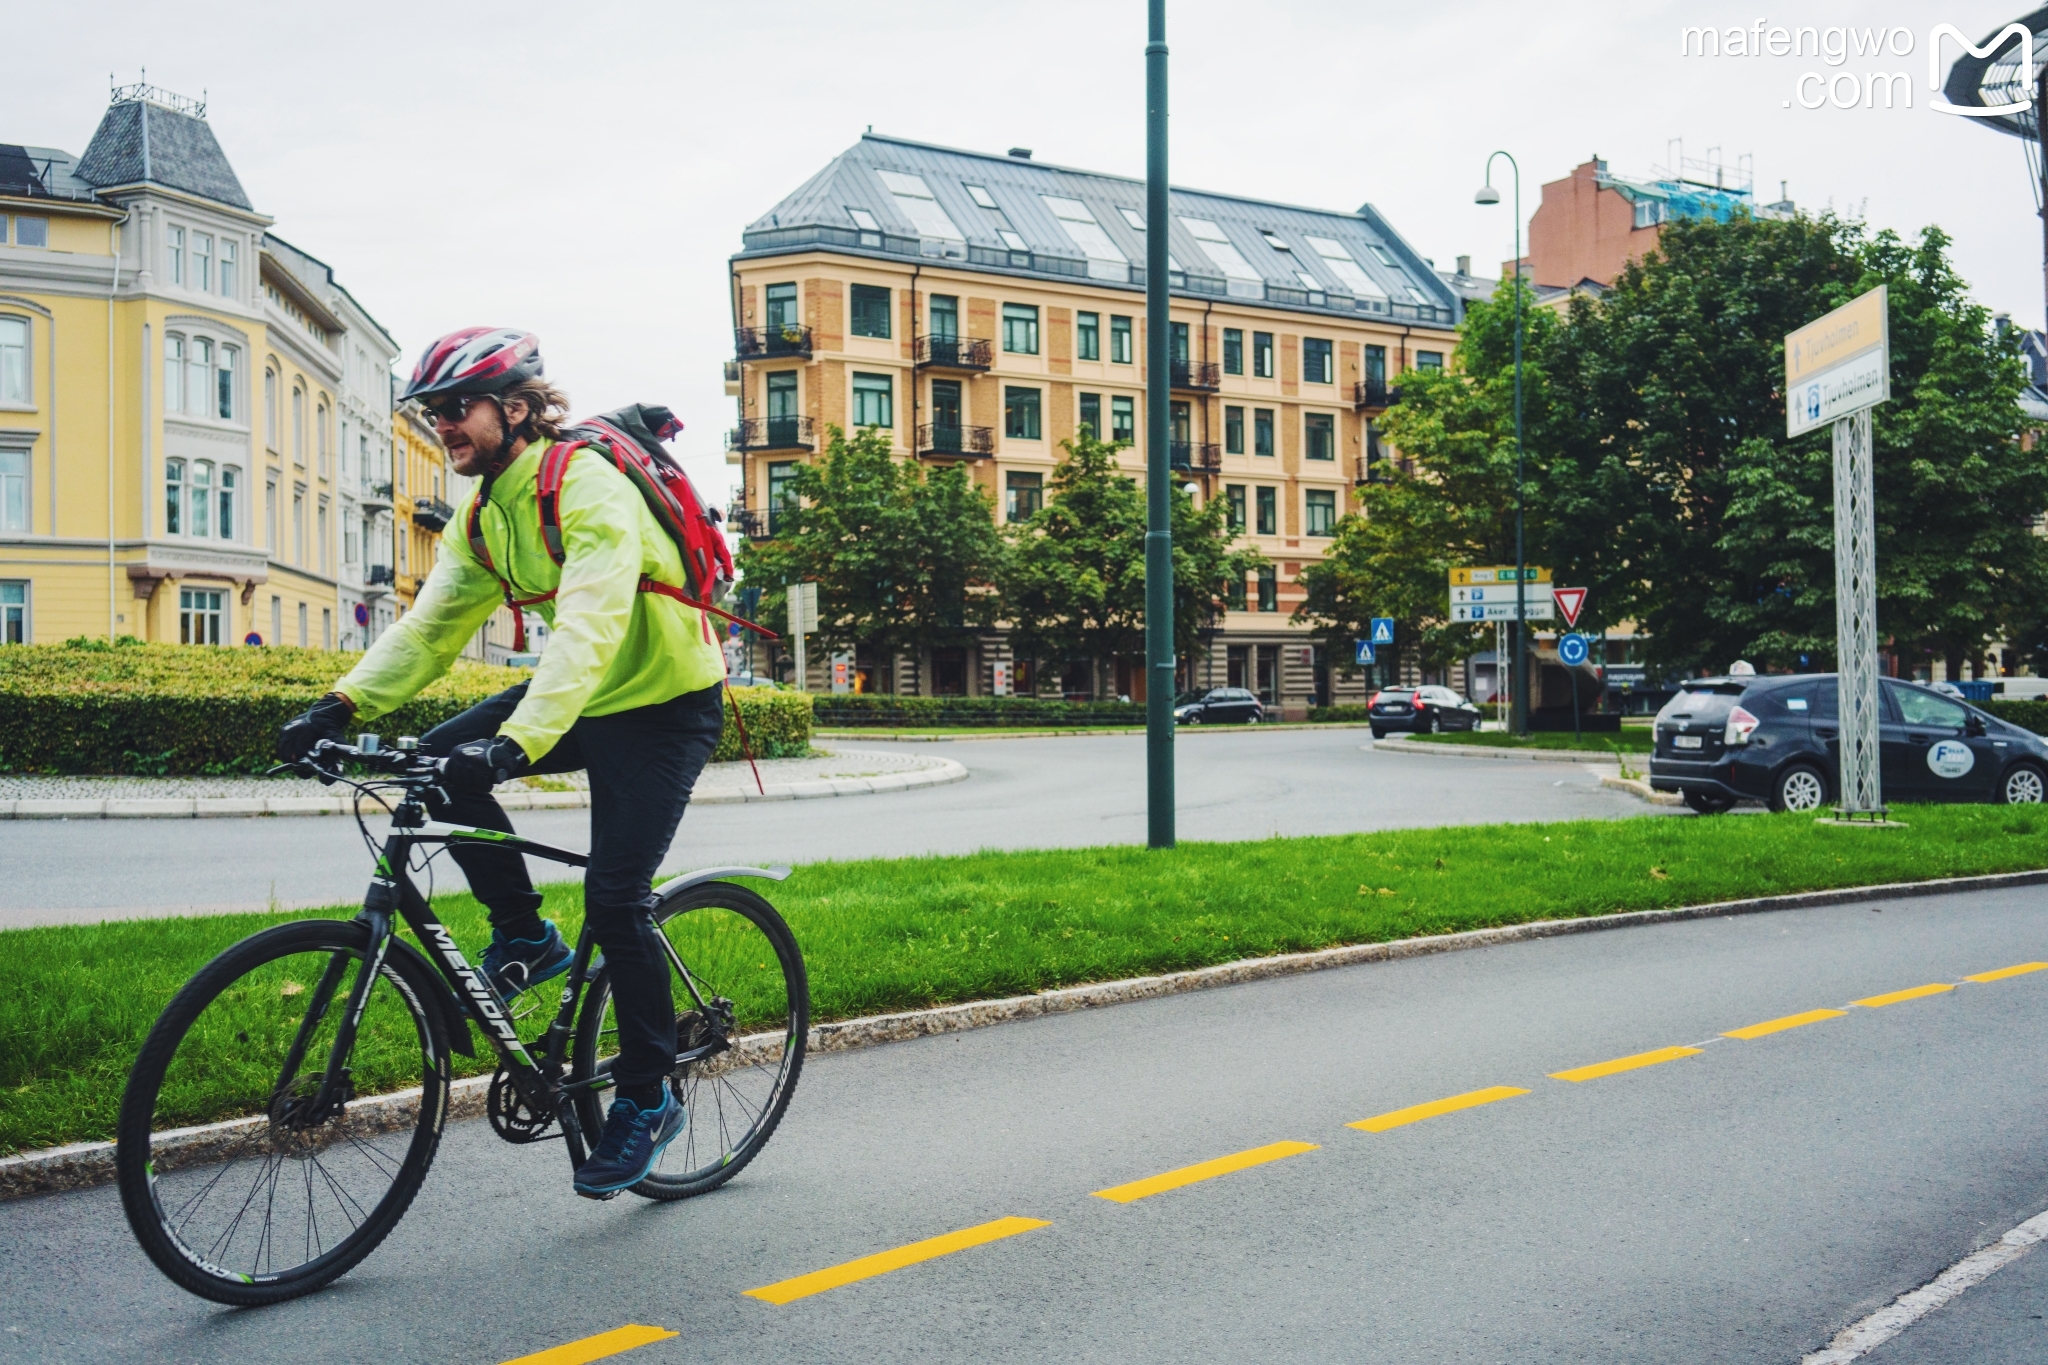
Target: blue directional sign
(1573, 650)
(1365, 654)
(1382, 630)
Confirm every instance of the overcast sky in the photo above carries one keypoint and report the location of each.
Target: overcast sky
(584, 170)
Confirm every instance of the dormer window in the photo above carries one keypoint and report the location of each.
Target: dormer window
(1273, 240)
(980, 196)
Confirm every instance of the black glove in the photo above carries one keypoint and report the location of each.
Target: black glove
(328, 719)
(476, 767)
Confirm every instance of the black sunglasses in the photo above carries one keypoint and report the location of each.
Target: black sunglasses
(451, 410)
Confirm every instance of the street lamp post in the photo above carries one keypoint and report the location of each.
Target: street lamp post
(1159, 805)
(1489, 195)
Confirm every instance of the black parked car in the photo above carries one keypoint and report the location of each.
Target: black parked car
(1219, 706)
(1777, 740)
(1423, 710)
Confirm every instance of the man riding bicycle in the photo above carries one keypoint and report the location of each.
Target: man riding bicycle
(628, 689)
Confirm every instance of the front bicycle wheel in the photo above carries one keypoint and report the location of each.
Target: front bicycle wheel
(274, 1197)
(745, 966)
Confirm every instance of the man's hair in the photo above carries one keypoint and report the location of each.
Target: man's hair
(547, 407)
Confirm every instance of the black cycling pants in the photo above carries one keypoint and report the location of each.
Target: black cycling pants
(642, 765)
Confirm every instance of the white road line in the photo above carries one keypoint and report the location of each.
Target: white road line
(1887, 1322)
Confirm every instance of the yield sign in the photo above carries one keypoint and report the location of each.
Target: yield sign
(1569, 600)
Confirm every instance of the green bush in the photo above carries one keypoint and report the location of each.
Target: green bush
(1340, 713)
(875, 708)
(153, 709)
(778, 724)
(2027, 714)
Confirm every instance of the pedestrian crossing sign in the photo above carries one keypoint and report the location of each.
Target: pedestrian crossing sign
(1382, 630)
(1365, 654)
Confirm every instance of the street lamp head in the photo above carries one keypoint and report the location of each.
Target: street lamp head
(1487, 195)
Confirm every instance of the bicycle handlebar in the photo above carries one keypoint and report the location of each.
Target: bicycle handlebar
(407, 764)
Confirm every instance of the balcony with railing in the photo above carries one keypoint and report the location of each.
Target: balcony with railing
(773, 343)
(1196, 376)
(1190, 457)
(1375, 393)
(773, 433)
(376, 497)
(939, 438)
(431, 514)
(378, 575)
(956, 353)
(747, 522)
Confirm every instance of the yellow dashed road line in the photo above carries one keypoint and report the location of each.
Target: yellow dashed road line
(1207, 1170)
(1621, 1064)
(1770, 1026)
(2003, 972)
(882, 1262)
(1416, 1113)
(604, 1344)
(1895, 997)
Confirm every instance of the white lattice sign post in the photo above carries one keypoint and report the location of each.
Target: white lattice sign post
(1837, 368)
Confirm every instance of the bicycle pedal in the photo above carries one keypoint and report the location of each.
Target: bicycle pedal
(601, 1198)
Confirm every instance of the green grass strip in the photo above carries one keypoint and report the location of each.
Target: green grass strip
(900, 934)
(1629, 741)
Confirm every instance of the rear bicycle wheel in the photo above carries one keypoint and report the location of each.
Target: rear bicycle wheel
(270, 1200)
(745, 964)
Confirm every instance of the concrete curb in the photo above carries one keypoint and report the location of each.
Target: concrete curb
(913, 737)
(1395, 744)
(945, 770)
(79, 1165)
(1635, 786)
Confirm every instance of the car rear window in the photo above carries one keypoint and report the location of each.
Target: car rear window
(1397, 694)
(1795, 701)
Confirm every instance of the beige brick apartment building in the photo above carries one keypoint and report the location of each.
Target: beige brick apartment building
(981, 308)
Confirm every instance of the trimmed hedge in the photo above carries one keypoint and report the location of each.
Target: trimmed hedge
(874, 708)
(155, 709)
(778, 724)
(1350, 713)
(2028, 714)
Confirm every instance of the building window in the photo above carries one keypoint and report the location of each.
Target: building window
(1269, 512)
(1322, 512)
(1262, 431)
(1180, 421)
(1262, 355)
(1123, 420)
(320, 423)
(781, 492)
(1269, 584)
(1178, 341)
(1020, 328)
(298, 426)
(1088, 336)
(1649, 212)
(782, 407)
(174, 254)
(198, 375)
(227, 266)
(1091, 413)
(14, 490)
(201, 487)
(202, 261)
(781, 306)
(320, 520)
(1233, 361)
(224, 383)
(945, 317)
(269, 407)
(1234, 599)
(270, 523)
(1234, 500)
(199, 616)
(1023, 494)
(174, 372)
(302, 625)
(1233, 431)
(1119, 340)
(873, 401)
(327, 627)
(1376, 367)
(174, 497)
(1320, 429)
(1429, 360)
(13, 613)
(298, 526)
(946, 404)
(1317, 363)
(30, 231)
(870, 310)
(1020, 413)
(14, 372)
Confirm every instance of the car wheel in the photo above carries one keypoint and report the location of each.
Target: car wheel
(1799, 789)
(1429, 725)
(1192, 720)
(2023, 786)
(1253, 719)
(1708, 803)
(1378, 733)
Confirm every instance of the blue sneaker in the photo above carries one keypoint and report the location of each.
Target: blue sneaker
(519, 964)
(633, 1141)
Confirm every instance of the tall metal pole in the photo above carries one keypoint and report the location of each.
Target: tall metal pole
(1520, 723)
(1158, 458)
(1856, 618)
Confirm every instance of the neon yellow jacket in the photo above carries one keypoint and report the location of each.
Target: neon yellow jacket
(611, 646)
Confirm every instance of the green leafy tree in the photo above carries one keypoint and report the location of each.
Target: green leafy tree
(1076, 582)
(903, 560)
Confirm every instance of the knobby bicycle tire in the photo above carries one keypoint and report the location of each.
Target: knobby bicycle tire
(735, 1100)
(366, 1137)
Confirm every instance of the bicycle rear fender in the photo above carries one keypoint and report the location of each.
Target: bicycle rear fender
(669, 889)
(453, 1021)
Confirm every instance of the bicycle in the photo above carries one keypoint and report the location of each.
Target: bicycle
(332, 1041)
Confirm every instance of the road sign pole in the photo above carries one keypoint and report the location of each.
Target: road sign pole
(1158, 455)
(1856, 618)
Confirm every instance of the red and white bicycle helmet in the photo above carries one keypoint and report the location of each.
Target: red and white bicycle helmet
(475, 360)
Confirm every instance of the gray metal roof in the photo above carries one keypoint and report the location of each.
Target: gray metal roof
(819, 214)
(41, 173)
(142, 141)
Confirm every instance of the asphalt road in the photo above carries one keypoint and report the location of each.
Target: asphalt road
(1740, 1204)
(1029, 793)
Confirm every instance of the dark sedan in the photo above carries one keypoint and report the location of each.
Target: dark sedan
(1778, 740)
(1219, 706)
(1422, 710)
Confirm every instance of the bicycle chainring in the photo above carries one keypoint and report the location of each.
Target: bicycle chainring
(510, 1114)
